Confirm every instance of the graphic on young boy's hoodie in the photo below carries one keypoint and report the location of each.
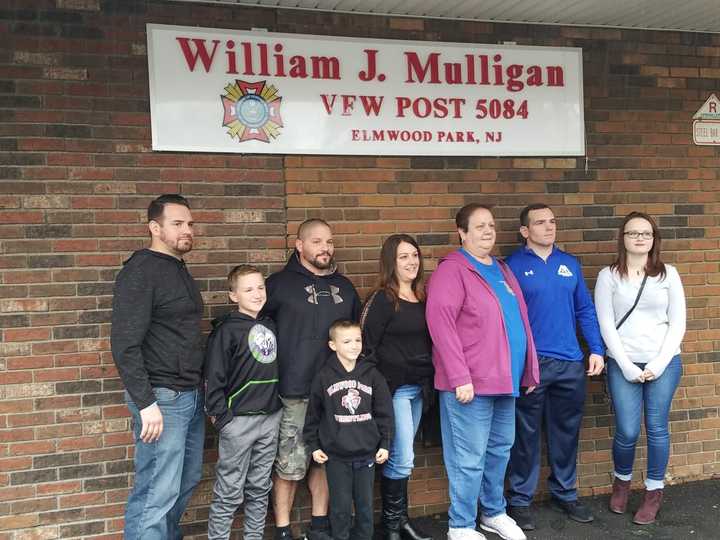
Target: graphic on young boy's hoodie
(262, 344)
(351, 400)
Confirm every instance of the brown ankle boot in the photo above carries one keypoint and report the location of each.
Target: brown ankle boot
(649, 508)
(619, 497)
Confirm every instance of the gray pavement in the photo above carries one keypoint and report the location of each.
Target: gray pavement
(690, 512)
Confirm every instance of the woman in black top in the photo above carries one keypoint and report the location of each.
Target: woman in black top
(395, 334)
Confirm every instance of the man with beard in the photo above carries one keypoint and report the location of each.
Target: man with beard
(156, 345)
(304, 299)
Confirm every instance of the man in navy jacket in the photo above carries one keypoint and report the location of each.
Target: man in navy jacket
(558, 300)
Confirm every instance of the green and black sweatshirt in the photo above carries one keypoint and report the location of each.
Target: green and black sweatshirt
(241, 370)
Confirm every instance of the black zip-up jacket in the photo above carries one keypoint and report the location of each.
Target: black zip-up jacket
(304, 305)
(350, 413)
(155, 335)
(241, 371)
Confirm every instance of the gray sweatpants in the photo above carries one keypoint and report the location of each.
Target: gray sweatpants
(247, 449)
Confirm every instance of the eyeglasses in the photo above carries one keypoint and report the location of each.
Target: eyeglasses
(645, 235)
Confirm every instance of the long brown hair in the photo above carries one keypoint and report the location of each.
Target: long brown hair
(387, 279)
(654, 265)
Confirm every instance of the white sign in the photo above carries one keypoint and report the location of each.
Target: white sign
(706, 123)
(258, 92)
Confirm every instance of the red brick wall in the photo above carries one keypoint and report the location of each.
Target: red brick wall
(77, 172)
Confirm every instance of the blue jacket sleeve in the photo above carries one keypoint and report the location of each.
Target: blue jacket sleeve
(586, 316)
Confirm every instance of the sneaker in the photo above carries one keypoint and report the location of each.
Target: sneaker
(315, 534)
(522, 517)
(283, 533)
(464, 534)
(502, 525)
(575, 510)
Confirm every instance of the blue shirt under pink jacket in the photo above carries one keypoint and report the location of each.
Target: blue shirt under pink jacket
(470, 343)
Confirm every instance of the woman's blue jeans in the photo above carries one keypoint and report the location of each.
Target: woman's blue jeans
(629, 400)
(476, 440)
(407, 406)
(166, 471)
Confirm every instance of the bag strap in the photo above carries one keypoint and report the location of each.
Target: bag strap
(637, 299)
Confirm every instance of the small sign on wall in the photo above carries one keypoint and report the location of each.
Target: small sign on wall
(706, 123)
(215, 90)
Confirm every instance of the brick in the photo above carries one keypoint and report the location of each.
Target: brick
(27, 334)
(33, 477)
(15, 464)
(20, 217)
(18, 522)
(34, 419)
(16, 493)
(38, 533)
(46, 201)
(14, 321)
(10, 306)
(64, 73)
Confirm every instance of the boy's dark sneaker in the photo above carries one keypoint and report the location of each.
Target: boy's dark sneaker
(313, 534)
(522, 516)
(575, 510)
(283, 533)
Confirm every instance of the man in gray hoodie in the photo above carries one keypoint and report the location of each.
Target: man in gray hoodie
(157, 347)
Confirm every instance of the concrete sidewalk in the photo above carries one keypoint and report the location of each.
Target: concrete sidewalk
(689, 511)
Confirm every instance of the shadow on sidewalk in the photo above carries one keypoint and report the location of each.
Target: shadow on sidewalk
(690, 512)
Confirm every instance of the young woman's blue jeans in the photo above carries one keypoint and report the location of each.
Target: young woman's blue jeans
(476, 442)
(407, 406)
(629, 400)
(166, 471)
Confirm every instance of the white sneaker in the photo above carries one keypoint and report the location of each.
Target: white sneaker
(465, 534)
(502, 525)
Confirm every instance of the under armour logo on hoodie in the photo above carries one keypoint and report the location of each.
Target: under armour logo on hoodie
(314, 294)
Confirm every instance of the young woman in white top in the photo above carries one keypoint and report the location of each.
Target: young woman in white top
(644, 366)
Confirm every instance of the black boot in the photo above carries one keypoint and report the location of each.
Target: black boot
(397, 525)
(392, 508)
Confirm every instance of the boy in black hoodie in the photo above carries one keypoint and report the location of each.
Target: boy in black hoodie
(242, 402)
(348, 427)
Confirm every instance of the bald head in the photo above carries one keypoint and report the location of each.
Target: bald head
(315, 247)
(307, 226)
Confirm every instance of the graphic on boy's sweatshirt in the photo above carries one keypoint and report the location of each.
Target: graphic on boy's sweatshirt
(351, 400)
(314, 294)
(564, 271)
(262, 344)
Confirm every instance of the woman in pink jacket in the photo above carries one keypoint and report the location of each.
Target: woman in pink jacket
(484, 356)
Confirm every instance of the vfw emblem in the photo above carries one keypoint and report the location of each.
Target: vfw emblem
(252, 111)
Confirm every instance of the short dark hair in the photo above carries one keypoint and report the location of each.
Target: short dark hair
(157, 206)
(462, 218)
(240, 271)
(525, 213)
(305, 225)
(342, 324)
